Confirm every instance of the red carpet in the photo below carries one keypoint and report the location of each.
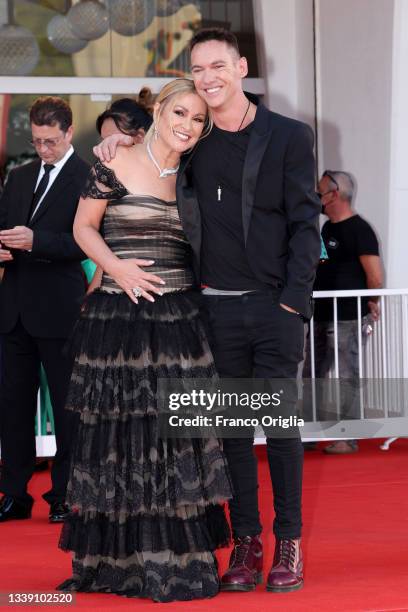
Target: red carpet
(355, 542)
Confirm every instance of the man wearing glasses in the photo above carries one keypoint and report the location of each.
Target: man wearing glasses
(40, 298)
(353, 263)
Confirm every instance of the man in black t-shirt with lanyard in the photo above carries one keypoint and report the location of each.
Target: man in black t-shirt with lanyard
(353, 263)
(259, 249)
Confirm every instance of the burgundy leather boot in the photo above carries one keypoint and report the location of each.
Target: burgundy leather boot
(245, 567)
(287, 568)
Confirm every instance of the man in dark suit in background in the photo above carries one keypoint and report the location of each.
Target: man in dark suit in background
(40, 299)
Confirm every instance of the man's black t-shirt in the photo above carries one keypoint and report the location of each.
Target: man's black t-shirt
(219, 163)
(345, 241)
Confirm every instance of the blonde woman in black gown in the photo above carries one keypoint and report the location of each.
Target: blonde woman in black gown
(145, 512)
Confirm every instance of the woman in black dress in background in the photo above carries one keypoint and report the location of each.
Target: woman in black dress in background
(145, 515)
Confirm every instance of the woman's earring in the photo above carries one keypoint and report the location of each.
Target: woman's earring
(155, 132)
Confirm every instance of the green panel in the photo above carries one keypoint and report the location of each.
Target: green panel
(47, 415)
(89, 268)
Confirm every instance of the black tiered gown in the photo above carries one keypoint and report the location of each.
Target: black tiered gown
(145, 512)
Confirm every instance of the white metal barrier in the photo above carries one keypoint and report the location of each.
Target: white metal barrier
(382, 358)
(45, 444)
(384, 355)
(382, 370)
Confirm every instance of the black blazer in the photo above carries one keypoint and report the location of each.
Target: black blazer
(44, 287)
(280, 209)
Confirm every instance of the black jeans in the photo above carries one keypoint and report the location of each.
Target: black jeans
(252, 336)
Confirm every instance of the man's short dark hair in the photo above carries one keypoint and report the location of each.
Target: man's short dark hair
(50, 111)
(219, 34)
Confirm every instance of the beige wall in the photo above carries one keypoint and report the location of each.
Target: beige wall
(355, 55)
(397, 252)
(285, 46)
(358, 96)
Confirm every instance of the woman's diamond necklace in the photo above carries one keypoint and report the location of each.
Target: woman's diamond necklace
(166, 171)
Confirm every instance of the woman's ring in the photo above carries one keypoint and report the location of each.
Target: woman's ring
(137, 292)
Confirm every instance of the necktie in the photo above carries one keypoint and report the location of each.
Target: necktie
(42, 186)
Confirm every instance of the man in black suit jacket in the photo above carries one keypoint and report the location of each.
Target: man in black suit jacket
(40, 299)
(256, 237)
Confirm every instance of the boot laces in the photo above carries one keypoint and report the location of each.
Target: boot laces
(241, 550)
(288, 552)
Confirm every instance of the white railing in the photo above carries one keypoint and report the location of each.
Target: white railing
(45, 444)
(384, 355)
(382, 370)
(382, 364)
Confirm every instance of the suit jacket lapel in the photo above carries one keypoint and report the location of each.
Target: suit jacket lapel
(33, 170)
(58, 186)
(187, 203)
(258, 141)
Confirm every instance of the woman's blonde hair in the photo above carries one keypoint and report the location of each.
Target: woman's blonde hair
(170, 91)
